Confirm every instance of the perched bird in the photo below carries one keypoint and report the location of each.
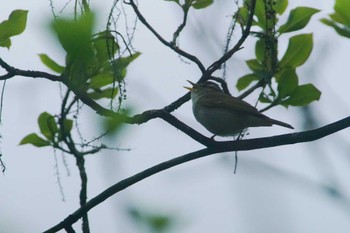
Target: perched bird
(223, 114)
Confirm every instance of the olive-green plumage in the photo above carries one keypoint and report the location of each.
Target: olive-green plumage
(223, 114)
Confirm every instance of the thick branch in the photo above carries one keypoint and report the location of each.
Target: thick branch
(218, 147)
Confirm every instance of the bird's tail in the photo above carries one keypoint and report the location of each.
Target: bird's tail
(280, 123)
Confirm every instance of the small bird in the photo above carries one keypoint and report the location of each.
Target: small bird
(223, 114)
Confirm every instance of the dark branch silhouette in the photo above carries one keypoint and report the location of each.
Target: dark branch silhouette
(217, 147)
(11, 72)
(163, 41)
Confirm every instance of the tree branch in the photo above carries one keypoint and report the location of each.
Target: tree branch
(163, 41)
(149, 115)
(218, 147)
(11, 72)
(185, 9)
(217, 64)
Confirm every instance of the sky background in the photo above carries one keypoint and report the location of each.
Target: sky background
(279, 189)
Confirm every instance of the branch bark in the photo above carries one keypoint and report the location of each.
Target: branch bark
(217, 147)
(163, 41)
(12, 71)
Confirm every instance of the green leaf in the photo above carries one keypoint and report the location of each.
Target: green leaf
(47, 125)
(242, 16)
(68, 125)
(51, 64)
(303, 95)
(287, 80)
(14, 25)
(298, 51)
(101, 80)
(255, 65)
(156, 222)
(280, 6)
(260, 14)
(341, 9)
(108, 93)
(35, 140)
(115, 124)
(260, 49)
(200, 4)
(105, 46)
(264, 99)
(5, 43)
(118, 66)
(246, 80)
(343, 31)
(75, 36)
(176, 1)
(298, 19)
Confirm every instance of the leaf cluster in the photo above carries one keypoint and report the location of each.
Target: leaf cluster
(91, 66)
(52, 131)
(339, 20)
(267, 68)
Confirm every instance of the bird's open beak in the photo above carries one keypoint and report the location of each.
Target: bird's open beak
(190, 88)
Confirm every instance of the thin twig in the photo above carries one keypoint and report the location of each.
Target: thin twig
(185, 9)
(217, 64)
(163, 41)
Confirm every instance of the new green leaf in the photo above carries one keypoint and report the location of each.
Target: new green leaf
(298, 51)
(47, 125)
(303, 95)
(108, 93)
(35, 140)
(260, 49)
(298, 19)
(51, 64)
(246, 80)
(68, 125)
(343, 31)
(280, 6)
(199, 4)
(341, 9)
(101, 80)
(287, 80)
(105, 46)
(14, 25)
(254, 65)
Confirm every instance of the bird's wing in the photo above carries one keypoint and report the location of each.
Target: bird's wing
(229, 103)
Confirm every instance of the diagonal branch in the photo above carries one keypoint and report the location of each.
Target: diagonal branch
(219, 147)
(217, 64)
(163, 114)
(163, 41)
(185, 9)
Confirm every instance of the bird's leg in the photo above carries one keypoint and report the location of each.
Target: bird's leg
(239, 137)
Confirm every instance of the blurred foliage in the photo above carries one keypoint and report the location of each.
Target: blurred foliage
(91, 63)
(340, 19)
(152, 222)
